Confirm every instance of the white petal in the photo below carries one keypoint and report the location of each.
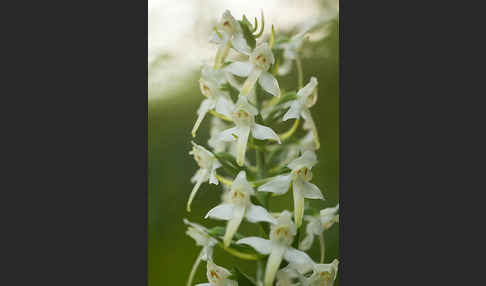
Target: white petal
(294, 111)
(250, 81)
(241, 143)
(196, 176)
(308, 88)
(240, 44)
(223, 212)
(278, 185)
(244, 103)
(222, 53)
(207, 252)
(202, 177)
(257, 213)
(298, 202)
(233, 224)
(311, 191)
(273, 263)
(261, 245)
(239, 68)
(204, 284)
(263, 132)
(241, 182)
(306, 243)
(212, 177)
(227, 135)
(269, 83)
(314, 226)
(329, 211)
(300, 259)
(206, 105)
(308, 159)
(224, 106)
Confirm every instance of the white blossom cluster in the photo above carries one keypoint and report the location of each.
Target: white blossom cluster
(247, 106)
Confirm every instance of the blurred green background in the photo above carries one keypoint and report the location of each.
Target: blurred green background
(171, 117)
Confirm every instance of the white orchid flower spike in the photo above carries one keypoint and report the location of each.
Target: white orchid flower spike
(228, 35)
(217, 100)
(299, 177)
(207, 169)
(238, 206)
(257, 70)
(289, 276)
(200, 234)
(244, 118)
(306, 98)
(217, 276)
(323, 275)
(318, 224)
(278, 247)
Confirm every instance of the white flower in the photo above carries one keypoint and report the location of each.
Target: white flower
(306, 98)
(217, 276)
(290, 49)
(217, 100)
(256, 69)
(288, 276)
(324, 274)
(201, 235)
(244, 118)
(318, 224)
(278, 247)
(207, 169)
(293, 150)
(237, 206)
(202, 238)
(217, 126)
(299, 177)
(229, 34)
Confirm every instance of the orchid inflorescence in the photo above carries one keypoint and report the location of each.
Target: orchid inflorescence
(244, 100)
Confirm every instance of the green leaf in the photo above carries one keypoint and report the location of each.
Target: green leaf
(242, 278)
(250, 39)
(246, 21)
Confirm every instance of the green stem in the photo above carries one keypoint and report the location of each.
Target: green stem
(221, 116)
(194, 269)
(300, 72)
(237, 253)
(291, 132)
(323, 247)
